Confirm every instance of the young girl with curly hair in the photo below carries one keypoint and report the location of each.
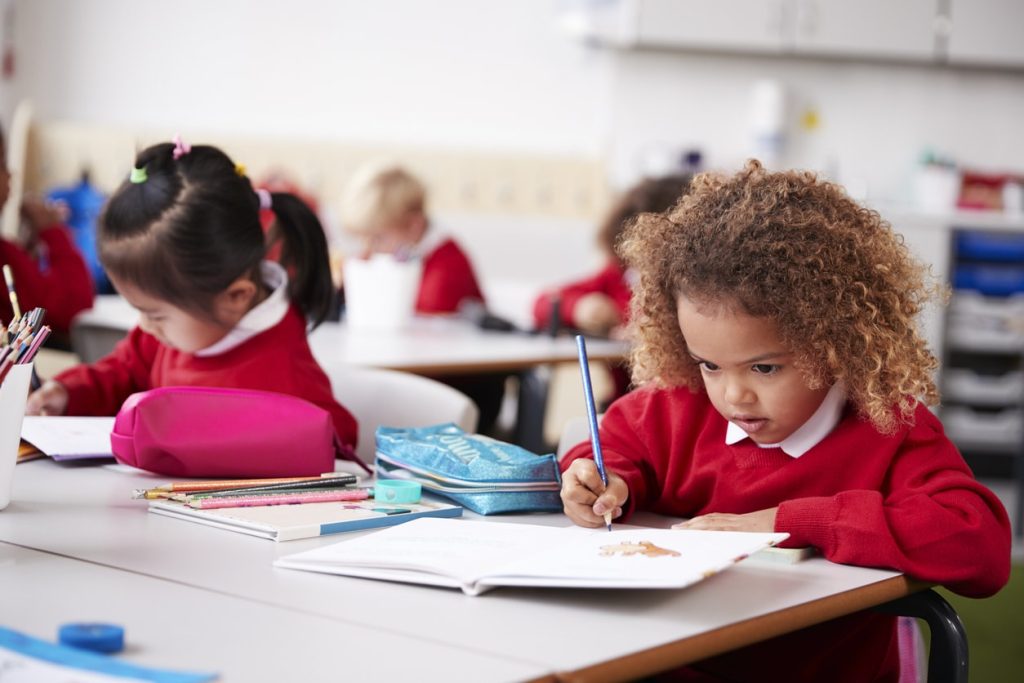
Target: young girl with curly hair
(784, 388)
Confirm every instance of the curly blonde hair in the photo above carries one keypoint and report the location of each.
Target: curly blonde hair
(840, 285)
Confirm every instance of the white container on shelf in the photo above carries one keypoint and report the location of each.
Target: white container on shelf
(980, 323)
(968, 386)
(964, 426)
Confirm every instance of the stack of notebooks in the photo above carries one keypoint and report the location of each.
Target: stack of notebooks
(289, 509)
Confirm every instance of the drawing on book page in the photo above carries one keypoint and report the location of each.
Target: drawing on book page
(627, 548)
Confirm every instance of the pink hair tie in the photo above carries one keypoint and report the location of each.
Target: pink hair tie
(180, 148)
(266, 199)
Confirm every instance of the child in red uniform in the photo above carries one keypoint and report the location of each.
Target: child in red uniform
(385, 206)
(48, 272)
(182, 242)
(783, 389)
(599, 304)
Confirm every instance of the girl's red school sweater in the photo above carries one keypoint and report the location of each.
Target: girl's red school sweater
(278, 359)
(905, 501)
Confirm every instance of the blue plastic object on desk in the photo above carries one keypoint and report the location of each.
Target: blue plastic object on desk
(104, 638)
(40, 656)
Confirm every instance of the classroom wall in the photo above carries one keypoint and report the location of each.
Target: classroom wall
(873, 119)
(492, 75)
(461, 73)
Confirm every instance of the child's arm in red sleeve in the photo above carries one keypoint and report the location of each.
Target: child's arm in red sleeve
(933, 521)
(101, 388)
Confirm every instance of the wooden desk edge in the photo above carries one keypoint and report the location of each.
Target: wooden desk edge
(682, 652)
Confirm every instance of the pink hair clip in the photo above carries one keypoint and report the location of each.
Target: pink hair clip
(266, 200)
(180, 148)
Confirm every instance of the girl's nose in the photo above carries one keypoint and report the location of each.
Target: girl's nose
(738, 393)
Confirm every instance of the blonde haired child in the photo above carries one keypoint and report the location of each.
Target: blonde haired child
(785, 390)
(385, 206)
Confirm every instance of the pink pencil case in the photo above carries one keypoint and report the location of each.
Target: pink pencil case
(227, 433)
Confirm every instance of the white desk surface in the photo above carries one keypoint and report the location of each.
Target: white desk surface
(428, 345)
(173, 626)
(85, 513)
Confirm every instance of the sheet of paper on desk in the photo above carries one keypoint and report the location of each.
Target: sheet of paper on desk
(24, 659)
(477, 556)
(69, 438)
(291, 522)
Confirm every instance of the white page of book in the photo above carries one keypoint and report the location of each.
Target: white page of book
(486, 553)
(68, 436)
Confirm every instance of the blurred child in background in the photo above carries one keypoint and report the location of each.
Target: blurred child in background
(385, 207)
(48, 270)
(599, 305)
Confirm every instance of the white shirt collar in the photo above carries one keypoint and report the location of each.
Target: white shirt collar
(810, 434)
(262, 316)
(431, 240)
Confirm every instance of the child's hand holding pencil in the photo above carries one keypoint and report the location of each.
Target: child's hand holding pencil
(587, 483)
(585, 498)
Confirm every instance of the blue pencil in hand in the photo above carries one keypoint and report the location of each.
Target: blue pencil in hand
(595, 440)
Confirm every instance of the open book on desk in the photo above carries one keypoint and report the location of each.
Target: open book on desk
(69, 438)
(291, 522)
(477, 556)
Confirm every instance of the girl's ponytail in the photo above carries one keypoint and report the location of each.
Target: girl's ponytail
(304, 256)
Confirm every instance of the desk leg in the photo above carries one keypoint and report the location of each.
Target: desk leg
(947, 657)
(532, 406)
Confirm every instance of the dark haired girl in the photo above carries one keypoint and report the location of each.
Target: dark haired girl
(181, 240)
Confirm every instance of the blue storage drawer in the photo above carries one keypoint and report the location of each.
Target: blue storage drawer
(991, 280)
(986, 246)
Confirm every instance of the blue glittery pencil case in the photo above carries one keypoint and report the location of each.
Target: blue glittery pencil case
(483, 474)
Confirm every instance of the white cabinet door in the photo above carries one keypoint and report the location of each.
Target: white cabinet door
(987, 32)
(727, 25)
(877, 29)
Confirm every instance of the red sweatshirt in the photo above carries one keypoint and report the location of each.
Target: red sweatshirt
(447, 280)
(63, 286)
(905, 502)
(277, 359)
(610, 281)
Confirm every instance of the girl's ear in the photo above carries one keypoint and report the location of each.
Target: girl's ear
(236, 300)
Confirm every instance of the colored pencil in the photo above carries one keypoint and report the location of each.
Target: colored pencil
(595, 439)
(9, 279)
(207, 503)
(21, 340)
(327, 483)
(223, 484)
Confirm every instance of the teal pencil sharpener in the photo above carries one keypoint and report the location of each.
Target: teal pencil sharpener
(397, 491)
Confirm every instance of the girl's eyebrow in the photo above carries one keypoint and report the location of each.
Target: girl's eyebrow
(756, 359)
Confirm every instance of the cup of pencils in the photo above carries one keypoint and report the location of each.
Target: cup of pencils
(19, 343)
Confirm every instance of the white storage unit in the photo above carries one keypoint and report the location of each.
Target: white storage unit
(981, 334)
(986, 32)
(984, 345)
(957, 32)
